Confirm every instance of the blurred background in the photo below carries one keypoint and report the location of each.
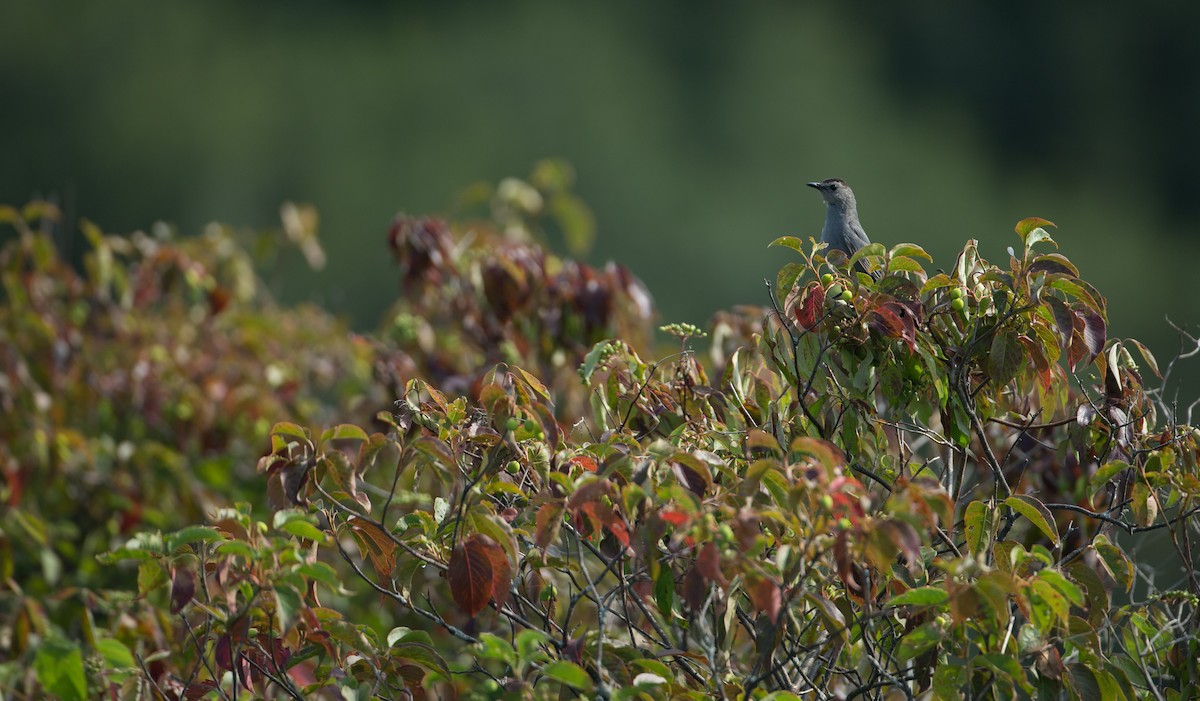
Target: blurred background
(692, 127)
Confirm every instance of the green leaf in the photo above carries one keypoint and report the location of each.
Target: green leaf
(948, 682)
(534, 383)
(192, 534)
(592, 360)
(1042, 591)
(1084, 682)
(343, 432)
(921, 596)
(904, 264)
(287, 606)
(1006, 667)
(976, 526)
(422, 655)
(59, 668)
(664, 591)
(570, 674)
(786, 279)
(304, 529)
(576, 220)
(151, 576)
(1037, 513)
(1147, 356)
(1027, 225)
(791, 242)
(287, 429)
(871, 249)
(236, 547)
(1005, 357)
(404, 634)
(493, 647)
(918, 640)
(1106, 472)
(1115, 561)
(116, 655)
(321, 572)
(1064, 586)
(910, 250)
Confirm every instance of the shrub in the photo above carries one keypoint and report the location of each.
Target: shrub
(926, 486)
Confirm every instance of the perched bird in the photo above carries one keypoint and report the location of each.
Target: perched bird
(842, 229)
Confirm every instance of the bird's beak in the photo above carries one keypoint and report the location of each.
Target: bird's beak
(816, 185)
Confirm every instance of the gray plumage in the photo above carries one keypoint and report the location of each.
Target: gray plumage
(842, 229)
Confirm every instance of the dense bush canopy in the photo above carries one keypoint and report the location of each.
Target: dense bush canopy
(930, 486)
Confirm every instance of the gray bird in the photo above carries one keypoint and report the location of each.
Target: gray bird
(842, 229)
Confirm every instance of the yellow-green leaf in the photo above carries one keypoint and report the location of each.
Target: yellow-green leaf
(1037, 513)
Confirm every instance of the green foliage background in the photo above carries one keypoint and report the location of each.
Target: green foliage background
(695, 123)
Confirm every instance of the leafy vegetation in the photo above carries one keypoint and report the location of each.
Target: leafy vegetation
(929, 486)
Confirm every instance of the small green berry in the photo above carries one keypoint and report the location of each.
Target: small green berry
(957, 304)
(847, 295)
(512, 424)
(827, 279)
(513, 467)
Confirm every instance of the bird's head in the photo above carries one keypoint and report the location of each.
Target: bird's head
(835, 192)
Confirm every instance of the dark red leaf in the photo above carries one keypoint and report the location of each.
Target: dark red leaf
(690, 478)
(695, 589)
(198, 690)
(746, 527)
(1094, 333)
(708, 562)
(845, 567)
(549, 520)
(766, 597)
(183, 588)
(501, 569)
(1078, 349)
(602, 515)
(808, 304)
(471, 576)
(589, 492)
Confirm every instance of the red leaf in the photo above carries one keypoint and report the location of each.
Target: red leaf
(586, 462)
(601, 515)
(675, 518)
(746, 527)
(695, 590)
(549, 521)
(1094, 333)
(501, 570)
(1064, 320)
(471, 575)
(589, 492)
(766, 597)
(690, 477)
(379, 548)
(183, 588)
(811, 304)
(895, 320)
(709, 564)
(845, 568)
(198, 690)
